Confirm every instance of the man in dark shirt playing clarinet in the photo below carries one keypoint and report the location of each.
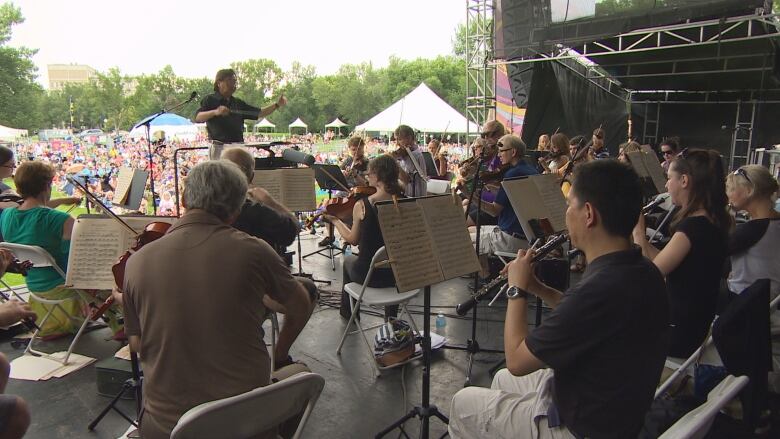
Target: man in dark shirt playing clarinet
(591, 368)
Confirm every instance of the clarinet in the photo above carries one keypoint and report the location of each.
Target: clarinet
(541, 252)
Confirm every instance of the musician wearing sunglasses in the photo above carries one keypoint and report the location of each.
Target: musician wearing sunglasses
(507, 235)
(693, 260)
(753, 245)
(224, 113)
(669, 149)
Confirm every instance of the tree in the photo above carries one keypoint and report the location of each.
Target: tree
(19, 94)
(258, 79)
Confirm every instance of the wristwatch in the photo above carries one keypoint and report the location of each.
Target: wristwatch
(515, 292)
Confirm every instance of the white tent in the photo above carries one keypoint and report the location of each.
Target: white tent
(337, 123)
(11, 133)
(422, 110)
(298, 124)
(265, 123)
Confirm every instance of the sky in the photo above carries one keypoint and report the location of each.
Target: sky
(198, 37)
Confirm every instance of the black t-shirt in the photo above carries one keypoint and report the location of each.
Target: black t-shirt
(229, 128)
(257, 219)
(606, 342)
(369, 242)
(694, 285)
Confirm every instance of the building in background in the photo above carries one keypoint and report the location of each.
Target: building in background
(61, 74)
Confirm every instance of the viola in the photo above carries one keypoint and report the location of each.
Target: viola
(496, 175)
(342, 207)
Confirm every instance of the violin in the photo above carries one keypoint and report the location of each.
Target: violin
(342, 207)
(496, 175)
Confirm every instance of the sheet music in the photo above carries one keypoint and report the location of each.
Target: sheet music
(451, 241)
(123, 181)
(552, 198)
(271, 181)
(97, 242)
(409, 246)
(656, 172)
(298, 188)
(533, 199)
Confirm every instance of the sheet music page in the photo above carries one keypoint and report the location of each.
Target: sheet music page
(526, 201)
(550, 191)
(637, 161)
(96, 244)
(123, 181)
(656, 172)
(451, 240)
(409, 246)
(270, 180)
(299, 191)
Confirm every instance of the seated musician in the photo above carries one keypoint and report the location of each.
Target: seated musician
(354, 167)
(591, 368)
(693, 260)
(491, 165)
(14, 411)
(544, 142)
(598, 149)
(626, 148)
(439, 157)
(34, 223)
(507, 236)
(412, 171)
(383, 175)
(559, 154)
(265, 218)
(224, 114)
(193, 303)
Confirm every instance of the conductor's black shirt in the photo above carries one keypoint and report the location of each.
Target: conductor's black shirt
(606, 342)
(229, 128)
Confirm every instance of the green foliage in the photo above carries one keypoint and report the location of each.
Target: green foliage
(19, 94)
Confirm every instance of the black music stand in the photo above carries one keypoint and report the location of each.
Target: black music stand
(331, 179)
(472, 345)
(136, 191)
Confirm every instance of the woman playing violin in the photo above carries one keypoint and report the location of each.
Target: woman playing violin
(383, 174)
(355, 164)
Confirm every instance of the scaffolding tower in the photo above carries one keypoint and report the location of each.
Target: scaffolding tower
(480, 68)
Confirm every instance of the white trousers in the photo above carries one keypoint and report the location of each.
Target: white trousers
(513, 407)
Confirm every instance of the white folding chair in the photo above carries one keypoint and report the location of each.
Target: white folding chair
(362, 294)
(41, 258)
(272, 317)
(254, 412)
(697, 423)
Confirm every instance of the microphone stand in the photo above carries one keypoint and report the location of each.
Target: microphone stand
(148, 123)
(472, 346)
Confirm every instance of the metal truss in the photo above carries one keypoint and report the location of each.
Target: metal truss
(480, 68)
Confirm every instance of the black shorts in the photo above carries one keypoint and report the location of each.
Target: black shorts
(485, 219)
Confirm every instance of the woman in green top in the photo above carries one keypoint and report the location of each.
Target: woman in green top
(33, 223)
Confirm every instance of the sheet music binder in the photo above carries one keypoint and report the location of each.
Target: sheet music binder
(136, 191)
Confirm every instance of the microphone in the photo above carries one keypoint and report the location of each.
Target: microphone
(655, 203)
(296, 156)
(192, 97)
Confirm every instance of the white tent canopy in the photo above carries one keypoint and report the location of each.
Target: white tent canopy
(337, 123)
(11, 133)
(265, 123)
(298, 124)
(422, 110)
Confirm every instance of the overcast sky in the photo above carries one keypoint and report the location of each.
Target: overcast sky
(198, 37)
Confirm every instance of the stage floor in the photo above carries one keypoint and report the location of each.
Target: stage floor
(354, 403)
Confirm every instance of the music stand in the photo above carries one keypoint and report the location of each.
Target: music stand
(331, 179)
(136, 191)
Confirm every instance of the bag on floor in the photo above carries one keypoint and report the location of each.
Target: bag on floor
(393, 343)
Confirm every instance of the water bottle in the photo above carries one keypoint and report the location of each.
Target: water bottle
(441, 321)
(347, 250)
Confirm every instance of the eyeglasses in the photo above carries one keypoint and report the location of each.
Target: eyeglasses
(486, 135)
(743, 173)
(501, 147)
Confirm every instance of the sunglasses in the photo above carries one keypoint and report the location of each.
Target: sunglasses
(486, 135)
(743, 173)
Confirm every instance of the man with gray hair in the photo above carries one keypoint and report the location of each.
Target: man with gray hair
(507, 236)
(193, 303)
